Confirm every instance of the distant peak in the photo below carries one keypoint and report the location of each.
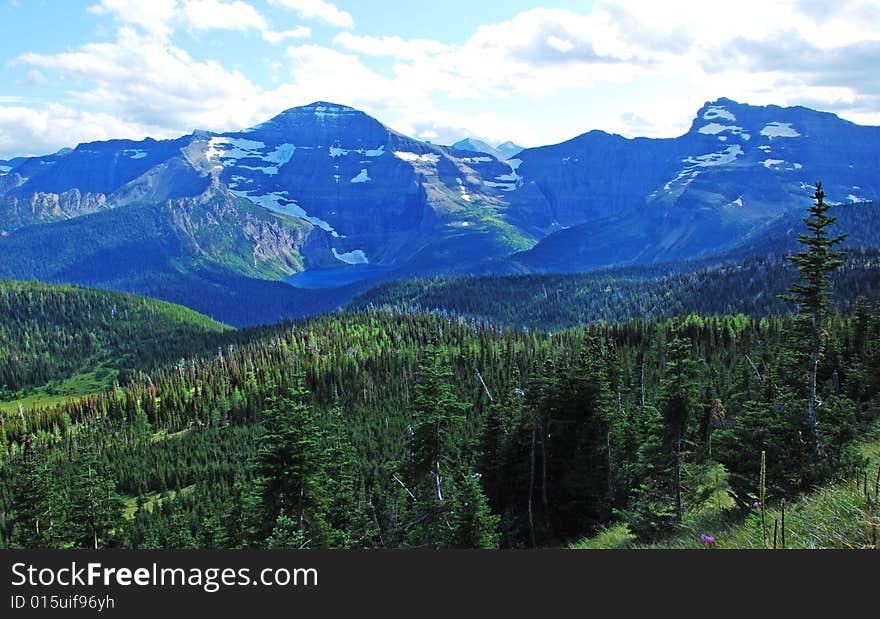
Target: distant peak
(320, 111)
(326, 106)
(724, 101)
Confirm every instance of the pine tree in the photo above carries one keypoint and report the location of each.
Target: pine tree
(95, 505)
(290, 468)
(30, 500)
(812, 294)
(438, 416)
(679, 402)
(435, 449)
(474, 525)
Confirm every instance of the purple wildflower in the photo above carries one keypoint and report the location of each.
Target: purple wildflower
(757, 505)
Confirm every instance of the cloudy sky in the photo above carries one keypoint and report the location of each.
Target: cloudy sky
(533, 71)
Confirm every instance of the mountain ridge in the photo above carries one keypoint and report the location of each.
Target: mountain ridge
(326, 188)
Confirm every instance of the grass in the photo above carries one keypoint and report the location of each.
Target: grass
(77, 386)
(614, 537)
(845, 515)
(153, 500)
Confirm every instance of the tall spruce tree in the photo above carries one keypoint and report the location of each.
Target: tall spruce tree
(435, 455)
(95, 505)
(291, 473)
(679, 402)
(438, 415)
(812, 294)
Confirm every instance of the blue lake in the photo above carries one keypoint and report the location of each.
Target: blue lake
(334, 278)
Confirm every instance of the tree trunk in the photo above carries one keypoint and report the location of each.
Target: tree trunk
(438, 490)
(611, 489)
(532, 485)
(544, 501)
(677, 479)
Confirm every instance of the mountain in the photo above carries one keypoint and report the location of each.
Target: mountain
(503, 152)
(508, 150)
(317, 188)
(604, 199)
(331, 201)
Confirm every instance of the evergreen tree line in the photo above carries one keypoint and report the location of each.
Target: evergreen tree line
(751, 286)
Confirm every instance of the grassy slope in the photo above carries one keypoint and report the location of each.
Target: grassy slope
(89, 335)
(838, 516)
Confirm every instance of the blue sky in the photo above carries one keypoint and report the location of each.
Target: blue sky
(536, 72)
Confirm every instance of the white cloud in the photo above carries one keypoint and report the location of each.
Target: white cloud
(153, 16)
(34, 78)
(300, 32)
(217, 15)
(394, 47)
(320, 10)
(159, 18)
(147, 82)
(28, 131)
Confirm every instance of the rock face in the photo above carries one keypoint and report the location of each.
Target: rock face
(326, 187)
(642, 200)
(373, 196)
(379, 195)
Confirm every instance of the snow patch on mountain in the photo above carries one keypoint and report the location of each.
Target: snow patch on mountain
(415, 157)
(233, 148)
(725, 157)
(363, 177)
(239, 180)
(277, 202)
(281, 155)
(463, 190)
(684, 178)
(773, 163)
(716, 111)
(716, 128)
(267, 170)
(135, 153)
(323, 112)
(353, 257)
(780, 130)
(336, 151)
(5, 169)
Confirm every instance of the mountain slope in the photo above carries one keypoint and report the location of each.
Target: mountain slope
(731, 282)
(51, 333)
(563, 301)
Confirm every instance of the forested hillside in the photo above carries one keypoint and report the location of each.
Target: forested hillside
(576, 430)
(752, 287)
(52, 333)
